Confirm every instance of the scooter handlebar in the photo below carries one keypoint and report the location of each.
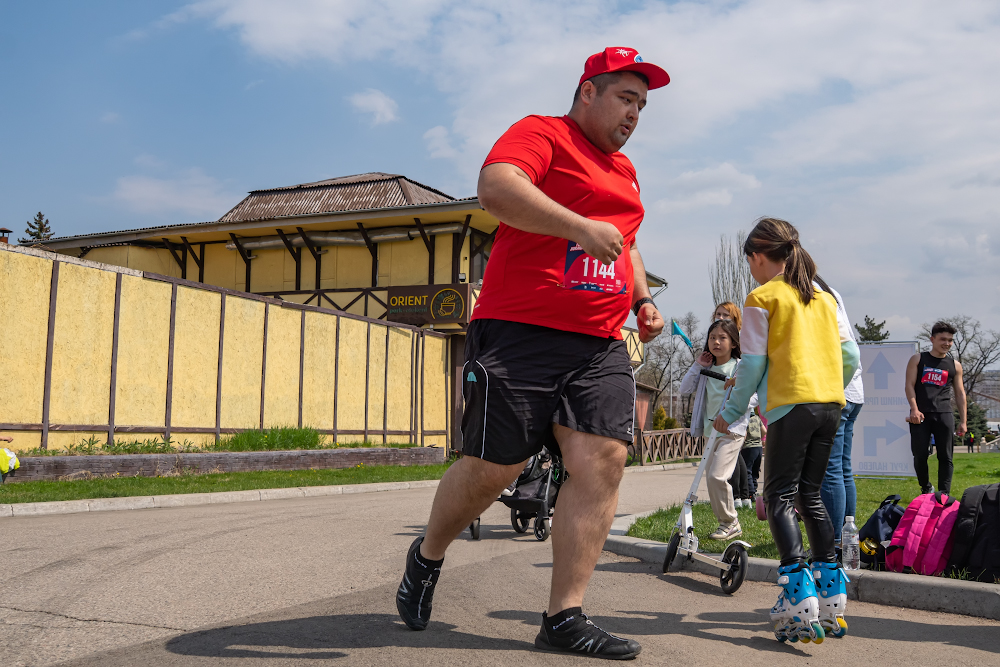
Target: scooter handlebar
(713, 374)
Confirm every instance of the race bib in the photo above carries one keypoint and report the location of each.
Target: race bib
(583, 272)
(935, 376)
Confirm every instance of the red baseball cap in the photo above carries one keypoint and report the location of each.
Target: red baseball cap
(624, 59)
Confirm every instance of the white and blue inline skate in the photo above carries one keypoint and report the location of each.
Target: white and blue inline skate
(796, 613)
(831, 586)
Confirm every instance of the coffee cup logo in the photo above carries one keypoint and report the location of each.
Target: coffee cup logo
(447, 304)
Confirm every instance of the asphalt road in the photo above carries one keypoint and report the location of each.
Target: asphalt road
(311, 581)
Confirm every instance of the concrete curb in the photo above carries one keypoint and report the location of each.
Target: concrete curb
(661, 467)
(191, 499)
(911, 591)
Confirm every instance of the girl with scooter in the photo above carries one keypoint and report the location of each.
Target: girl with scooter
(798, 355)
(722, 349)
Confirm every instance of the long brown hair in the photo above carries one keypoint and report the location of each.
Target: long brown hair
(729, 327)
(733, 310)
(779, 242)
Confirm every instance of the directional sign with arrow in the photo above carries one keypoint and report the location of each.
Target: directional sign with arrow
(881, 369)
(890, 433)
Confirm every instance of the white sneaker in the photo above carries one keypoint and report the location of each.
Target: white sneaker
(738, 502)
(724, 533)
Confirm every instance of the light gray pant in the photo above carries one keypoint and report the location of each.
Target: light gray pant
(727, 449)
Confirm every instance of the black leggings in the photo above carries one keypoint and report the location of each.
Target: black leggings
(941, 425)
(798, 450)
(751, 456)
(739, 479)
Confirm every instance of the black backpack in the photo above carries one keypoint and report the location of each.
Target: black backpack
(874, 537)
(976, 535)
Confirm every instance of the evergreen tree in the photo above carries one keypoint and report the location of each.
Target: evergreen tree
(38, 230)
(975, 418)
(871, 332)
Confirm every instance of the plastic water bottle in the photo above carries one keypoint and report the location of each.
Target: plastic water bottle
(850, 545)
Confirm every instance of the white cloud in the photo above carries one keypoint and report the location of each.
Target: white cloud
(192, 193)
(871, 126)
(253, 84)
(110, 117)
(382, 107)
(712, 186)
(438, 143)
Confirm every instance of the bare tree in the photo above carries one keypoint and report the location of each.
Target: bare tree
(730, 275)
(976, 348)
(668, 357)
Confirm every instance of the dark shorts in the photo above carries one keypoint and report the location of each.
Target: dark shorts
(519, 379)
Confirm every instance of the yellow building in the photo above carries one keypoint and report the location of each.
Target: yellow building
(377, 245)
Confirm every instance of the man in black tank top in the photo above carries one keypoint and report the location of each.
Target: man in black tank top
(931, 380)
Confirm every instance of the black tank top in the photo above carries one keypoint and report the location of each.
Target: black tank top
(935, 378)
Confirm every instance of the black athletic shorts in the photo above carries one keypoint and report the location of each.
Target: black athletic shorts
(519, 379)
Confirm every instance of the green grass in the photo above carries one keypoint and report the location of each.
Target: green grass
(118, 487)
(272, 439)
(970, 470)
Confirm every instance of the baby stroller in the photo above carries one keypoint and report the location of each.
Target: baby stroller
(533, 495)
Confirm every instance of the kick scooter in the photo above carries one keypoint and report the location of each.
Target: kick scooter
(734, 562)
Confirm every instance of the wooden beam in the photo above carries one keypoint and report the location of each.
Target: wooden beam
(296, 254)
(181, 262)
(50, 340)
(458, 240)
(199, 261)
(373, 249)
(246, 259)
(314, 251)
(429, 242)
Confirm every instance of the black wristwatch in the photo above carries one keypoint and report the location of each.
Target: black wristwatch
(638, 304)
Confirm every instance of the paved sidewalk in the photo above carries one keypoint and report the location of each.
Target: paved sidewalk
(310, 580)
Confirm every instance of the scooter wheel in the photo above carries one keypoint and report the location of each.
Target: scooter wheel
(474, 528)
(675, 541)
(541, 529)
(736, 556)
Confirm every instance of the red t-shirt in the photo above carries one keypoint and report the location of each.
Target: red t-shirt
(546, 280)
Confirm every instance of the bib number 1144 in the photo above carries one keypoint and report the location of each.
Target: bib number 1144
(583, 272)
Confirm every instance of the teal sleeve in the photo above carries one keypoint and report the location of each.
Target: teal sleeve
(748, 376)
(852, 359)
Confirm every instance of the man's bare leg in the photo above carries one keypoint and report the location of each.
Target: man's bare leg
(467, 489)
(586, 509)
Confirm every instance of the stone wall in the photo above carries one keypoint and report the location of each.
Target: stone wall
(152, 465)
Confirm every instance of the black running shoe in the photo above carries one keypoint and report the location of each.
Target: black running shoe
(578, 634)
(416, 591)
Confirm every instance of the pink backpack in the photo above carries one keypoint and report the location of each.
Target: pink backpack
(922, 541)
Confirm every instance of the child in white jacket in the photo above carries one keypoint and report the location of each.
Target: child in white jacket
(722, 349)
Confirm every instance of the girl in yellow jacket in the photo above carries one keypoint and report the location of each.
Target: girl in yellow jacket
(798, 355)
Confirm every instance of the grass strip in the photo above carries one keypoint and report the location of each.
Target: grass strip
(120, 487)
(267, 440)
(970, 470)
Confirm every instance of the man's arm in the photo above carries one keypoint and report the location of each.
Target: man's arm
(507, 193)
(649, 319)
(961, 400)
(916, 416)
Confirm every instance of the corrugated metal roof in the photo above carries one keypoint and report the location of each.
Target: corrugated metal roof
(348, 193)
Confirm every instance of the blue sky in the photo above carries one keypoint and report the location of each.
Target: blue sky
(872, 128)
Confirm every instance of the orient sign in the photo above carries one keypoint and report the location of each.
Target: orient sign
(429, 304)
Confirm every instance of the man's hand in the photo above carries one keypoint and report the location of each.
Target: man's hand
(602, 241)
(650, 322)
(962, 429)
(916, 416)
(721, 425)
(6, 439)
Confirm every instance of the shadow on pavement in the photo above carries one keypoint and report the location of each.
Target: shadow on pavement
(327, 638)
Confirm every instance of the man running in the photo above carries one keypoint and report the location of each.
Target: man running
(546, 366)
(931, 378)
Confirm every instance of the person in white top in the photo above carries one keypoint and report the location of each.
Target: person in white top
(838, 491)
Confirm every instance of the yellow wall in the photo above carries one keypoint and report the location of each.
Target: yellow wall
(223, 266)
(196, 357)
(281, 388)
(81, 361)
(242, 348)
(24, 313)
(143, 340)
(82, 351)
